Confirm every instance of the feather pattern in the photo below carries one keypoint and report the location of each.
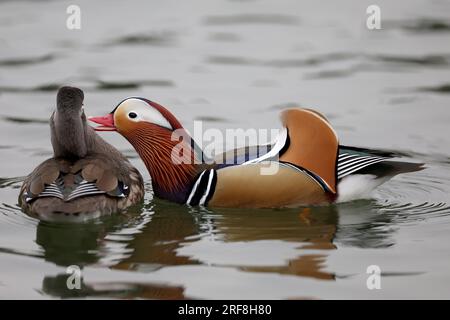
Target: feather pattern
(307, 154)
(348, 163)
(350, 160)
(74, 181)
(171, 163)
(203, 188)
(86, 175)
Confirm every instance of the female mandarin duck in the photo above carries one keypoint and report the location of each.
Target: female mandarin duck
(312, 168)
(86, 177)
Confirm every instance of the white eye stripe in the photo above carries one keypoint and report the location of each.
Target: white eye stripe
(144, 112)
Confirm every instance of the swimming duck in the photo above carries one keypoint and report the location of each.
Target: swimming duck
(87, 177)
(305, 166)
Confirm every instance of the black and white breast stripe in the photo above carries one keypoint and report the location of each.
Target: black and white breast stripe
(350, 163)
(203, 188)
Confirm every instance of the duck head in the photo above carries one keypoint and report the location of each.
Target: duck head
(69, 100)
(134, 113)
(161, 142)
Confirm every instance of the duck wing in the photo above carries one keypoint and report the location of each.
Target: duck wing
(351, 160)
(68, 180)
(305, 157)
(380, 163)
(313, 145)
(307, 141)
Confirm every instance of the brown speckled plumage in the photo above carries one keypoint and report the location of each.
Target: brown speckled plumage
(80, 156)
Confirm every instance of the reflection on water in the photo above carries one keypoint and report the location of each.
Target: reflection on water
(234, 64)
(155, 244)
(56, 286)
(160, 234)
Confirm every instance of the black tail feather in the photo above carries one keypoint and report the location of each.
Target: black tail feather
(373, 152)
(392, 168)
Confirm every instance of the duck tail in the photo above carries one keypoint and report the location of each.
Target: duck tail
(392, 168)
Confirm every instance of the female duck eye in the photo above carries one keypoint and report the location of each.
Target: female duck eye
(132, 115)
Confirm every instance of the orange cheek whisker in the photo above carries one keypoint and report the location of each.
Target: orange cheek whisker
(155, 147)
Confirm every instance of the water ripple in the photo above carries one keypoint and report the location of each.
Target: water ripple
(17, 62)
(238, 19)
(415, 197)
(421, 25)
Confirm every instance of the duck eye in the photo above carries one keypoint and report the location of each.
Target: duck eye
(132, 115)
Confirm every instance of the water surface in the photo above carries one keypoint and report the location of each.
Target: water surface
(234, 64)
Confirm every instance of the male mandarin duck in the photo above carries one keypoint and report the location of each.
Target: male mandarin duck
(312, 168)
(87, 177)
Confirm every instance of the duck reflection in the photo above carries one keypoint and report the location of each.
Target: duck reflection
(57, 286)
(76, 244)
(312, 228)
(156, 243)
(161, 234)
(95, 244)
